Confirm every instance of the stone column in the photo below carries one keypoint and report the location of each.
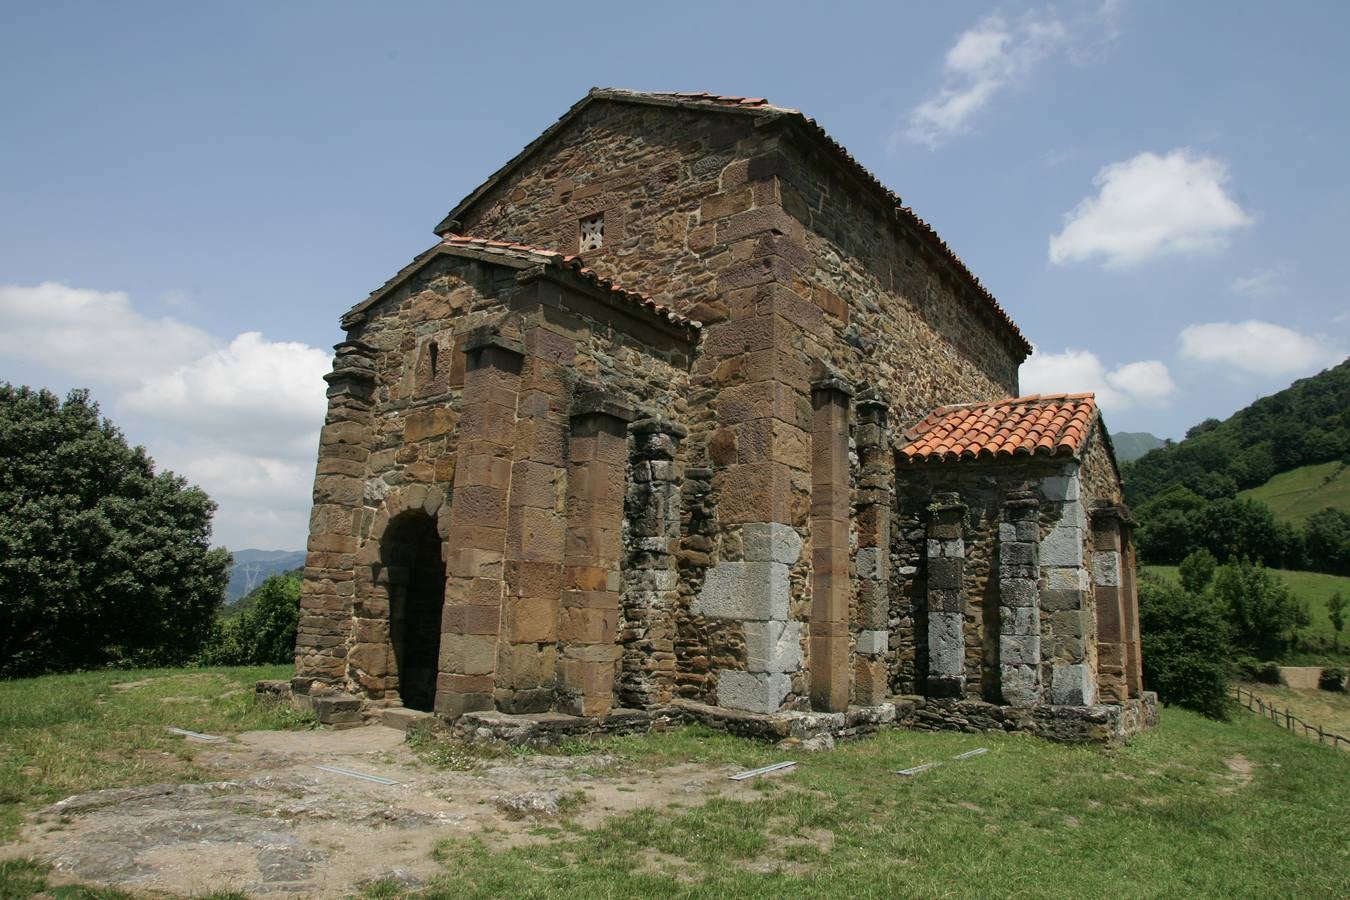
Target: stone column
(650, 580)
(1072, 679)
(1019, 640)
(873, 520)
(589, 625)
(946, 596)
(1112, 651)
(829, 545)
(1129, 602)
(326, 596)
(527, 653)
(476, 538)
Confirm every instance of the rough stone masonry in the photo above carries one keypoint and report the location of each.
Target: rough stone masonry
(685, 408)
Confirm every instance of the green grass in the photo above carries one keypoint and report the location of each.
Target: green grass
(1295, 495)
(63, 734)
(1316, 589)
(1166, 816)
(1193, 808)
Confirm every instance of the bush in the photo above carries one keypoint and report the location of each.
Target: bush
(1197, 571)
(1258, 605)
(1332, 679)
(103, 560)
(1267, 672)
(264, 632)
(1185, 647)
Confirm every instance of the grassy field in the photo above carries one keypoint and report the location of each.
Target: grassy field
(63, 734)
(1295, 495)
(1193, 808)
(1329, 709)
(1314, 587)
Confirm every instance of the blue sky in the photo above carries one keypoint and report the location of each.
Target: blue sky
(190, 195)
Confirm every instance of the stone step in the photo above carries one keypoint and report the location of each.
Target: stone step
(403, 719)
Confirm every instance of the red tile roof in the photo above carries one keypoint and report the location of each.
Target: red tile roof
(1044, 425)
(760, 107)
(459, 245)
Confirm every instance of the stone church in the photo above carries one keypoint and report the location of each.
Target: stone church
(685, 407)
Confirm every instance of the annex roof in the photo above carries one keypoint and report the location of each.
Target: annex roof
(522, 256)
(1041, 425)
(759, 108)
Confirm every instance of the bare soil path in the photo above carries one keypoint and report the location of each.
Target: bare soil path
(273, 824)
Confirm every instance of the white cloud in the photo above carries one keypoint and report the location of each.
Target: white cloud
(1151, 206)
(995, 55)
(1144, 383)
(1260, 285)
(1258, 348)
(240, 419)
(91, 334)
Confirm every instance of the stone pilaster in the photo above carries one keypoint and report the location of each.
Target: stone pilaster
(829, 545)
(872, 517)
(527, 652)
(588, 631)
(326, 597)
(1073, 681)
(1019, 640)
(1134, 660)
(476, 538)
(650, 578)
(945, 561)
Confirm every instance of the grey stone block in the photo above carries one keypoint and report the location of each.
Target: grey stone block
(946, 644)
(752, 691)
(1019, 649)
(1018, 592)
(1061, 599)
(1060, 488)
(946, 600)
(1073, 686)
(1063, 546)
(944, 572)
(1106, 568)
(952, 548)
(1017, 553)
(1019, 620)
(869, 562)
(771, 542)
(773, 647)
(744, 590)
(1066, 579)
(1020, 685)
(1028, 531)
(870, 643)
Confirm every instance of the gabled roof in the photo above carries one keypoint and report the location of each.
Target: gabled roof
(520, 256)
(1049, 425)
(761, 110)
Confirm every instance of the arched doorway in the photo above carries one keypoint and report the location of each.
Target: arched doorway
(411, 552)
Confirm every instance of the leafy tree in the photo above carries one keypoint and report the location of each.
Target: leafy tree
(1336, 613)
(264, 631)
(102, 561)
(1327, 541)
(1197, 571)
(1185, 646)
(1262, 612)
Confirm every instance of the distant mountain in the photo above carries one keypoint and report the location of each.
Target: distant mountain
(1130, 445)
(253, 567)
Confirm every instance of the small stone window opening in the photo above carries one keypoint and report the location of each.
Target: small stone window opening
(431, 355)
(593, 233)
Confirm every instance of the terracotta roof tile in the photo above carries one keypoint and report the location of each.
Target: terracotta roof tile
(452, 243)
(1018, 426)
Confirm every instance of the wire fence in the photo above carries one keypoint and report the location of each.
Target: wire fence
(1285, 719)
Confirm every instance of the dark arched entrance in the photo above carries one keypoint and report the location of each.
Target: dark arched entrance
(411, 551)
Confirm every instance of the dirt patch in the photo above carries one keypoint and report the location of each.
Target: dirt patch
(271, 823)
(1239, 773)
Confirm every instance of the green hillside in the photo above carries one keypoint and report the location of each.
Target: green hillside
(1130, 445)
(1294, 496)
(1315, 589)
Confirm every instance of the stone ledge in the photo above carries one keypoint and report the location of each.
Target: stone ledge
(1111, 725)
